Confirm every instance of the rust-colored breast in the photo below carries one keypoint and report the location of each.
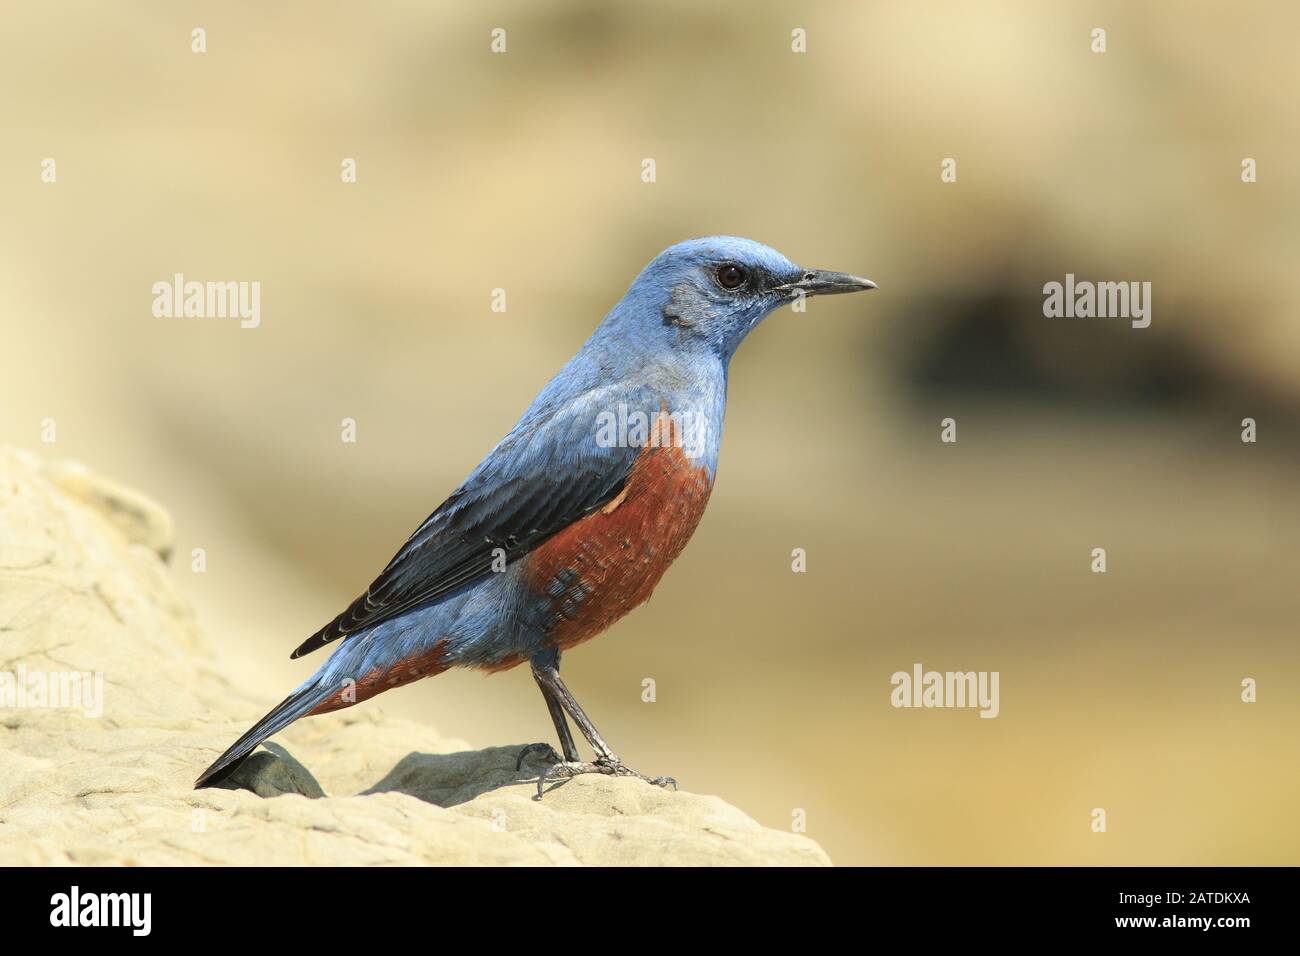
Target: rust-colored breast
(599, 568)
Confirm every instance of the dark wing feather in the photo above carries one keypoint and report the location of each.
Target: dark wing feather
(455, 545)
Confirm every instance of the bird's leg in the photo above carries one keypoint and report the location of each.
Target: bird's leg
(550, 658)
(561, 729)
(547, 674)
(561, 726)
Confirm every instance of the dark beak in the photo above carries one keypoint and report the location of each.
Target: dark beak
(826, 283)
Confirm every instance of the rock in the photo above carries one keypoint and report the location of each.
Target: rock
(141, 520)
(110, 704)
(270, 775)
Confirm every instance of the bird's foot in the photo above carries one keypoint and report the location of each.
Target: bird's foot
(610, 766)
(546, 751)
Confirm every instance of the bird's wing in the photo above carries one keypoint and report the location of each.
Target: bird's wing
(546, 474)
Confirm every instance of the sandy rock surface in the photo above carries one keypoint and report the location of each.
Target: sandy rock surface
(110, 704)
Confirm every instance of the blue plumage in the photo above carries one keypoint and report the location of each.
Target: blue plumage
(465, 588)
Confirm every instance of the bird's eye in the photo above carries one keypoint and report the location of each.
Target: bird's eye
(731, 276)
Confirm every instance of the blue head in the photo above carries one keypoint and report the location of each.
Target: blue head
(710, 293)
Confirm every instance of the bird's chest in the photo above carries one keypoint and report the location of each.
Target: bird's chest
(599, 568)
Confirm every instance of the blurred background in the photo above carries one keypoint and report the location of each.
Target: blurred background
(523, 171)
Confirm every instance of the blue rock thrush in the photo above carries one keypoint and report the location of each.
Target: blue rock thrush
(573, 518)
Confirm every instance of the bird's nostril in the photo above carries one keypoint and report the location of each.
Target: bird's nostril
(809, 276)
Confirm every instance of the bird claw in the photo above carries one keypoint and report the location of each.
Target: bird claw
(610, 766)
(546, 750)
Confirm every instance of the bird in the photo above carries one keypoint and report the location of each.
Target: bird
(571, 520)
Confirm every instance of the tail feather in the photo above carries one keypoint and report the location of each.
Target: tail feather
(298, 704)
